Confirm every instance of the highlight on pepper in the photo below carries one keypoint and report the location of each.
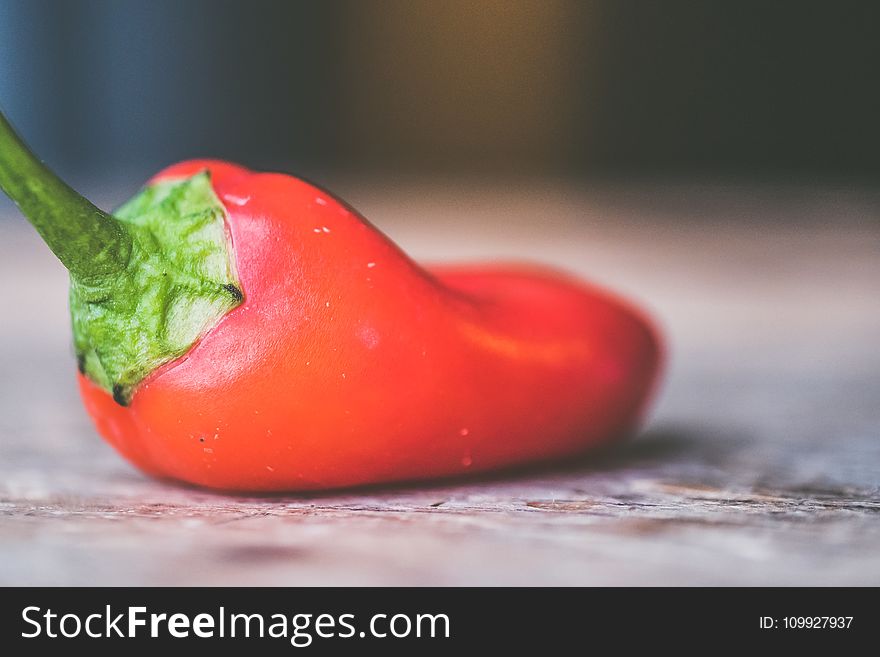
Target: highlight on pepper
(249, 331)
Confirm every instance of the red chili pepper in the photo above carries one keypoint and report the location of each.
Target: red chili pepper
(346, 363)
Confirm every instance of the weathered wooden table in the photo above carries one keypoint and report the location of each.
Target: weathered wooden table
(760, 465)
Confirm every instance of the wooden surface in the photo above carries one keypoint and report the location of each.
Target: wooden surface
(760, 464)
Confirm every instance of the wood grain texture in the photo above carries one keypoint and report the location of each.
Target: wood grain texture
(760, 465)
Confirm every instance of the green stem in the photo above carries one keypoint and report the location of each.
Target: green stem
(89, 242)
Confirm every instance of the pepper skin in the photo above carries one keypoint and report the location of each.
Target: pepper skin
(349, 364)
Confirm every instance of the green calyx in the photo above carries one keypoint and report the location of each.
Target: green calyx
(145, 282)
(179, 281)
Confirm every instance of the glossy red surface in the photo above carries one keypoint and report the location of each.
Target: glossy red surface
(349, 364)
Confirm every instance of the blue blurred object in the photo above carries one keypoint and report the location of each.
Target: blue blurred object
(104, 84)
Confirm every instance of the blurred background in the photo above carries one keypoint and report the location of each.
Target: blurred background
(551, 87)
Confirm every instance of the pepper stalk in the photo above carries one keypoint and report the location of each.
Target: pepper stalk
(146, 282)
(89, 242)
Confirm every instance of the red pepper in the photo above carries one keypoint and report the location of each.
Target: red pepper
(346, 363)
